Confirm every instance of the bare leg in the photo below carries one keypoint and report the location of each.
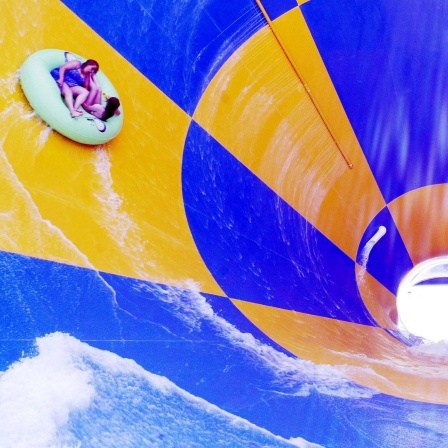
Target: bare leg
(81, 94)
(94, 96)
(68, 98)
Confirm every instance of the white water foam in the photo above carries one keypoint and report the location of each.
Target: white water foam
(8, 84)
(72, 395)
(114, 219)
(365, 253)
(370, 244)
(38, 394)
(23, 200)
(117, 222)
(22, 111)
(435, 350)
(436, 353)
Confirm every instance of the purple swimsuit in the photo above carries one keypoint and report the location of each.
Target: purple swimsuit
(71, 77)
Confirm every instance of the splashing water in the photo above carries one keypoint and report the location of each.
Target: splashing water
(73, 395)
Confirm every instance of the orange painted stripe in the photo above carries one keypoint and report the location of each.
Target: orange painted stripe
(422, 221)
(277, 31)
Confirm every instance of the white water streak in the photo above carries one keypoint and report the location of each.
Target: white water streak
(367, 249)
(299, 375)
(117, 222)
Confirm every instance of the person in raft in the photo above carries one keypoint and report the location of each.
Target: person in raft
(93, 105)
(73, 79)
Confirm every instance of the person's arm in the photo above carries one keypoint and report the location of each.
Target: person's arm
(95, 81)
(70, 65)
(88, 81)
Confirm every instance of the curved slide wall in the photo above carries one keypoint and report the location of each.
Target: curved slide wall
(202, 279)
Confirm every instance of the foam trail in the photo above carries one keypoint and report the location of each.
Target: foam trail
(72, 395)
(292, 376)
(370, 244)
(368, 248)
(434, 350)
(9, 84)
(114, 219)
(118, 222)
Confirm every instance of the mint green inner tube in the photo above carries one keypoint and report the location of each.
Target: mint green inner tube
(45, 98)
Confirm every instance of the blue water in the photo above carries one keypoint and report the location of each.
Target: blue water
(181, 335)
(72, 395)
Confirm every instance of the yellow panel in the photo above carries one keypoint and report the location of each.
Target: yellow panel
(259, 110)
(421, 217)
(366, 355)
(117, 208)
(362, 199)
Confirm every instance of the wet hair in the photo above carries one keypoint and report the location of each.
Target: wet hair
(112, 105)
(91, 62)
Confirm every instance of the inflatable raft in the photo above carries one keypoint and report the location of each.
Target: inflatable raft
(45, 98)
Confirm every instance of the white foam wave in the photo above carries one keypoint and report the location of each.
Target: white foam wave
(72, 395)
(24, 204)
(436, 350)
(44, 134)
(436, 422)
(38, 394)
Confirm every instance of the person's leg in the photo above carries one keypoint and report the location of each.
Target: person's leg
(68, 98)
(81, 95)
(94, 96)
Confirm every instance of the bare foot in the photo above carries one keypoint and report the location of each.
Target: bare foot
(76, 113)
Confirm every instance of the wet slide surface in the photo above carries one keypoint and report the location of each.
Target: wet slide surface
(201, 279)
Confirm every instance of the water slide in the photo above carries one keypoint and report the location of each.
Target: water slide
(224, 272)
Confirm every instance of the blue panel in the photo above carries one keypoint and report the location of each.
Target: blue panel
(164, 329)
(179, 52)
(389, 260)
(388, 61)
(276, 8)
(257, 247)
(40, 297)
